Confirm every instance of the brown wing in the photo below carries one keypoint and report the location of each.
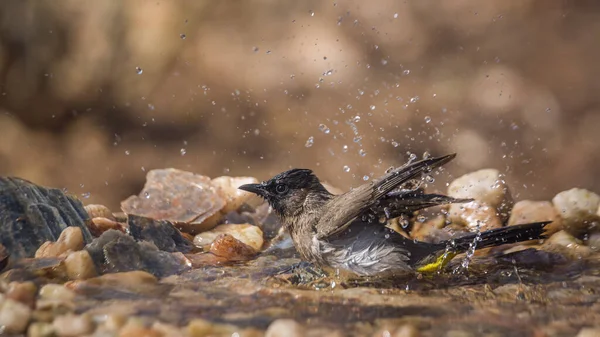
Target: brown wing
(341, 210)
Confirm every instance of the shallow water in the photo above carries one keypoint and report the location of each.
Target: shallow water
(493, 297)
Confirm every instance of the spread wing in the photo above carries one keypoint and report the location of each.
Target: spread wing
(341, 210)
(395, 204)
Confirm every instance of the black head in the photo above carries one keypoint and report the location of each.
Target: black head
(287, 191)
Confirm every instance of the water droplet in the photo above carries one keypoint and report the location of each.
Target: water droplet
(421, 218)
(404, 223)
(310, 141)
(182, 36)
(345, 148)
(426, 155)
(182, 151)
(256, 132)
(384, 62)
(86, 195)
(311, 13)
(395, 144)
(127, 153)
(406, 72)
(395, 15)
(414, 99)
(324, 128)
(362, 152)
(150, 106)
(139, 70)
(411, 157)
(429, 179)
(255, 49)
(427, 119)
(365, 177)
(357, 139)
(146, 195)
(372, 107)
(346, 168)
(356, 119)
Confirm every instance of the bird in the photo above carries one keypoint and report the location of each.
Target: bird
(344, 232)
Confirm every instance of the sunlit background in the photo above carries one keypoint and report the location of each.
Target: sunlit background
(94, 94)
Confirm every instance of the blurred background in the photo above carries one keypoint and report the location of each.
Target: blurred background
(93, 94)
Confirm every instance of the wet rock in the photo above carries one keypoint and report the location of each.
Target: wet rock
(486, 186)
(473, 214)
(589, 332)
(187, 200)
(200, 327)
(234, 197)
(40, 329)
(284, 327)
(80, 266)
(246, 233)
(231, 249)
(407, 330)
(14, 316)
(23, 292)
(132, 280)
(577, 208)
(71, 239)
(99, 211)
(262, 217)
(136, 329)
(56, 292)
(167, 330)
(100, 225)
(31, 215)
(566, 244)
(425, 231)
(116, 252)
(159, 232)
(527, 211)
(71, 325)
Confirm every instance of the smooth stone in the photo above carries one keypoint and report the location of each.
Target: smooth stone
(14, 316)
(234, 197)
(284, 327)
(80, 266)
(246, 233)
(71, 325)
(578, 208)
(71, 239)
(527, 211)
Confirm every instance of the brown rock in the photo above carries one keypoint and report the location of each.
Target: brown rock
(100, 225)
(578, 210)
(475, 213)
(79, 265)
(131, 280)
(24, 292)
(230, 248)
(189, 201)
(14, 316)
(99, 211)
(285, 328)
(71, 325)
(527, 211)
(234, 197)
(246, 233)
(71, 239)
(566, 244)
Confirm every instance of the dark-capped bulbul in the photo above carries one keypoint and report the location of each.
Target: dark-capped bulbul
(343, 231)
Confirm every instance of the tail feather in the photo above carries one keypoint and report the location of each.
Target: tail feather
(500, 236)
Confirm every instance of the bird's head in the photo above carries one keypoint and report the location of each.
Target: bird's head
(287, 192)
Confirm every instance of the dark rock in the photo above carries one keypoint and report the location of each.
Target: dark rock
(31, 215)
(115, 252)
(159, 232)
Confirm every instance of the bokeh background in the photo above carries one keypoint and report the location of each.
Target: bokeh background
(93, 94)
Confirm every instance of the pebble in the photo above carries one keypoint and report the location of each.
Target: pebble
(41, 329)
(589, 332)
(566, 244)
(284, 327)
(167, 330)
(71, 239)
(231, 249)
(234, 197)
(23, 292)
(80, 266)
(527, 211)
(135, 330)
(71, 325)
(199, 328)
(485, 186)
(578, 209)
(130, 280)
(99, 211)
(246, 233)
(14, 316)
(100, 225)
(473, 214)
(56, 292)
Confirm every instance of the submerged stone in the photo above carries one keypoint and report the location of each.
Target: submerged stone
(115, 252)
(31, 215)
(160, 232)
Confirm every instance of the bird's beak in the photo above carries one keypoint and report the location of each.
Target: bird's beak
(258, 189)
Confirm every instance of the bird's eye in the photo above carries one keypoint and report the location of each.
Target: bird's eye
(281, 188)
